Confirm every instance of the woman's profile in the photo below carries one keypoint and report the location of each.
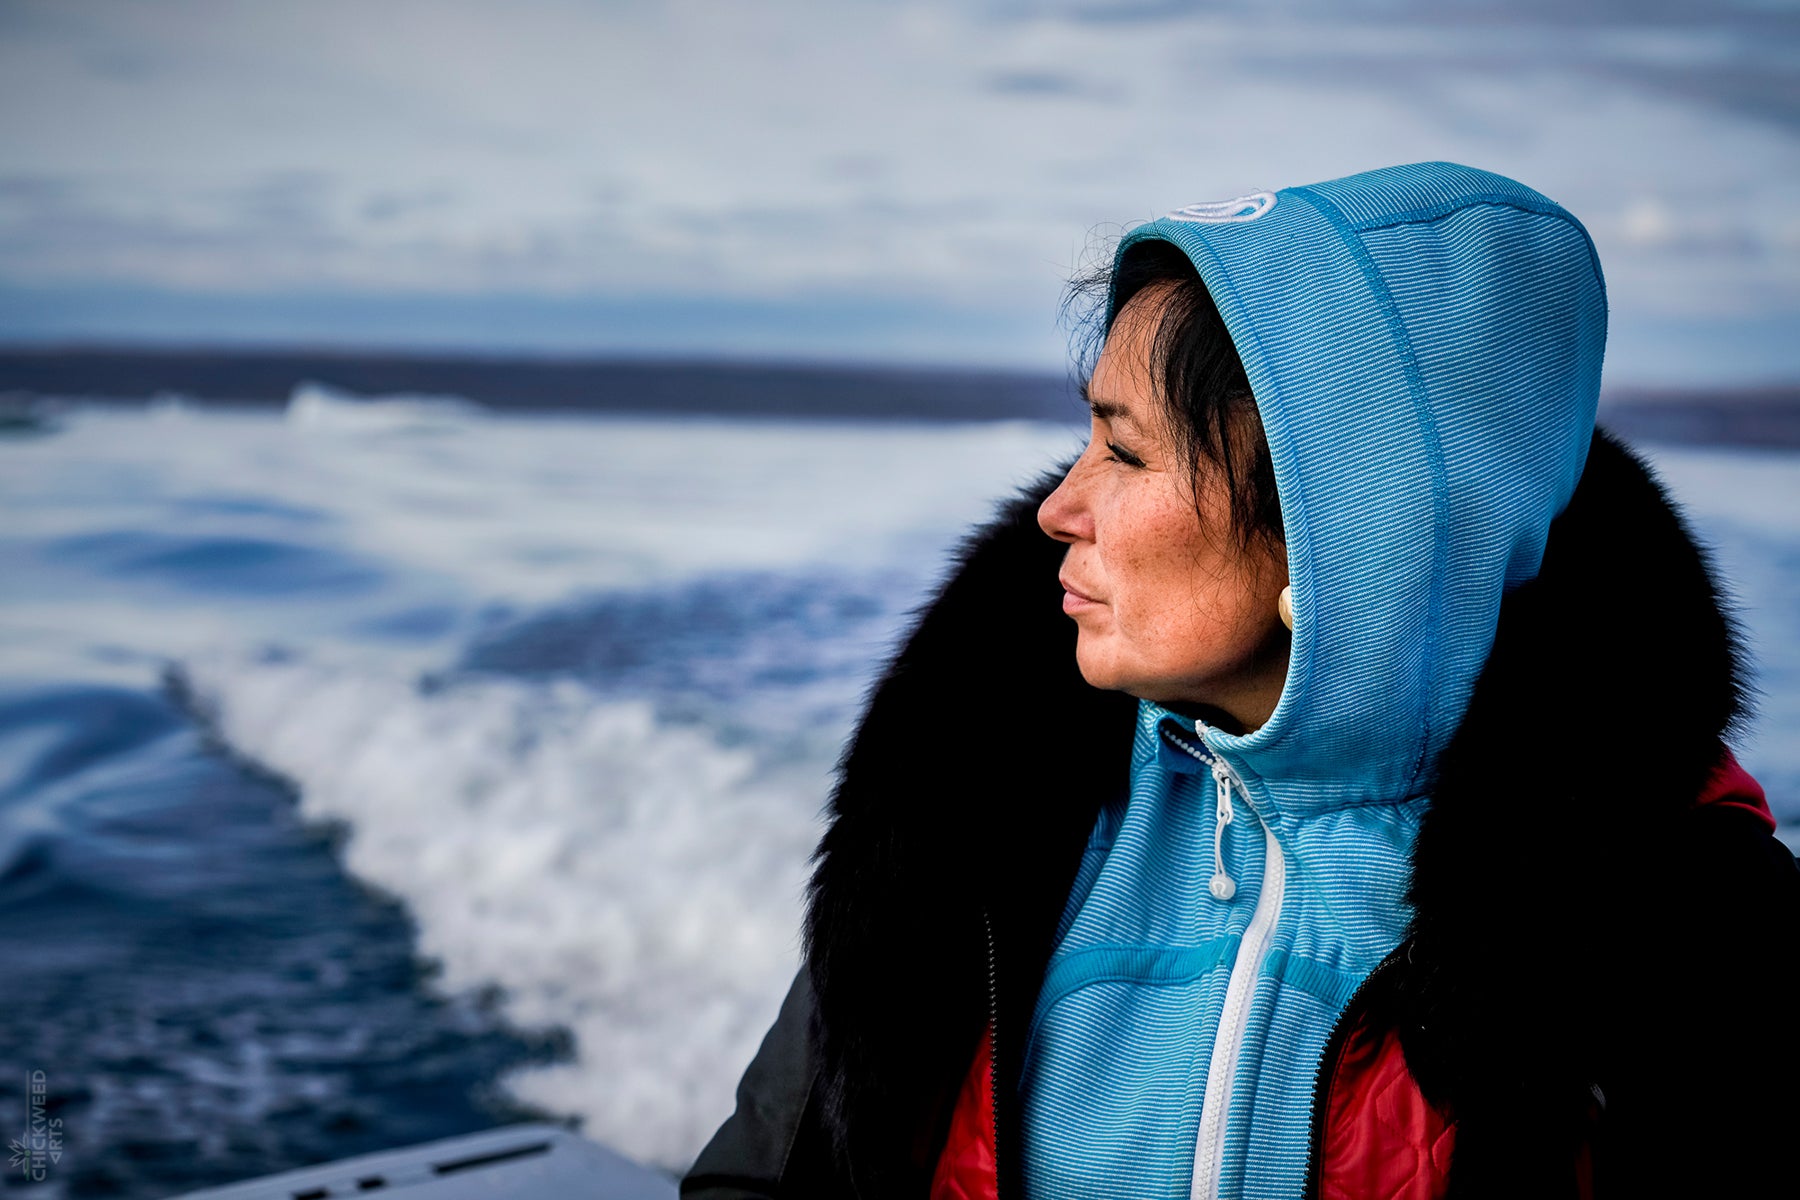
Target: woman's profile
(1316, 788)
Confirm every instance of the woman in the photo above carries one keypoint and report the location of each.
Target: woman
(1452, 890)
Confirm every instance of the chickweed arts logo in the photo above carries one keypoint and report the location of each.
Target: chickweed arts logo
(41, 1147)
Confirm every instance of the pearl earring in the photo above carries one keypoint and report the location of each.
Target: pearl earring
(1284, 604)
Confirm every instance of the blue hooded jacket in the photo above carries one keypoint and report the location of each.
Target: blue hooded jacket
(1424, 344)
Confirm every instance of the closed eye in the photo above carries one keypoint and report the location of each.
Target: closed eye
(1119, 454)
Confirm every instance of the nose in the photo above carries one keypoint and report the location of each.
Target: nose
(1064, 514)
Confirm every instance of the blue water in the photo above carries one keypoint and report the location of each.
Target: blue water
(356, 769)
(207, 991)
(374, 776)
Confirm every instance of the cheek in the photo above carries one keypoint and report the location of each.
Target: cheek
(1160, 582)
(1179, 598)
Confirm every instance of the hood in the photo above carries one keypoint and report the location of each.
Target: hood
(1424, 343)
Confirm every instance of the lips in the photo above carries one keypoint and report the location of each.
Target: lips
(1073, 597)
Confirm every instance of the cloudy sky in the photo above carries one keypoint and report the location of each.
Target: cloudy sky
(842, 179)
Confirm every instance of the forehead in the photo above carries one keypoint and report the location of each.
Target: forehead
(1122, 385)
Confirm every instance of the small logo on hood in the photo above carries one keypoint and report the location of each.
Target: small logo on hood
(1225, 212)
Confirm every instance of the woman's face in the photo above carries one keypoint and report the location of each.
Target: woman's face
(1169, 607)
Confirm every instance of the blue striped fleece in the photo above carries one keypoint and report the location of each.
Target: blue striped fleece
(1424, 343)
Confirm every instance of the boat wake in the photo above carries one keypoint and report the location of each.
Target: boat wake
(633, 880)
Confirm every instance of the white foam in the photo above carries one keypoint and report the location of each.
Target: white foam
(532, 510)
(319, 406)
(636, 883)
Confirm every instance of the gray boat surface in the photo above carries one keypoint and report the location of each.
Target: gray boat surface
(533, 1162)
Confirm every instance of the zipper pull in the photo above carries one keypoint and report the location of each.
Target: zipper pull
(1221, 885)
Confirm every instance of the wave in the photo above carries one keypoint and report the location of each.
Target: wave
(320, 406)
(630, 879)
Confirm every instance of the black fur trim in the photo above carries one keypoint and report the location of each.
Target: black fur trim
(970, 785)
(1591, 730)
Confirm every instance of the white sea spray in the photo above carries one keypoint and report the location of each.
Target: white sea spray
(636, 883)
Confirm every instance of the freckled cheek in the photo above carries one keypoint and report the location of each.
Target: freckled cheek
(1149, 594)
(1146, 558)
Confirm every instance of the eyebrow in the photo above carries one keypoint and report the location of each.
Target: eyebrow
(1106, 410)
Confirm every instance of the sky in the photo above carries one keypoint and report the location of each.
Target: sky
(843, 180)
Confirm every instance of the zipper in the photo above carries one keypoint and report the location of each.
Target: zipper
(1334, 1048)
(993, 978)
(1228, 1042)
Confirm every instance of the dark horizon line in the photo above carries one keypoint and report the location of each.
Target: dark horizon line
(1774, 389)
(504, 356)
(510, 382)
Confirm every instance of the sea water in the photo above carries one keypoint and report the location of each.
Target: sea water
(370, 774)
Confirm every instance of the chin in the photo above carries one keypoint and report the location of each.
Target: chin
(1102, 673)
(1100, 680)
(1112, 676)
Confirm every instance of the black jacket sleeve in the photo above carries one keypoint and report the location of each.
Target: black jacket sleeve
(773, 1145)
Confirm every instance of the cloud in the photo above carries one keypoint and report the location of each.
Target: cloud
(1044, 83)
(912, 154)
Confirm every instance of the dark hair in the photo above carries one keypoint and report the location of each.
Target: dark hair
(1199, 378)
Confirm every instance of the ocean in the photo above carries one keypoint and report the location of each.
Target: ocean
(377, 772)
